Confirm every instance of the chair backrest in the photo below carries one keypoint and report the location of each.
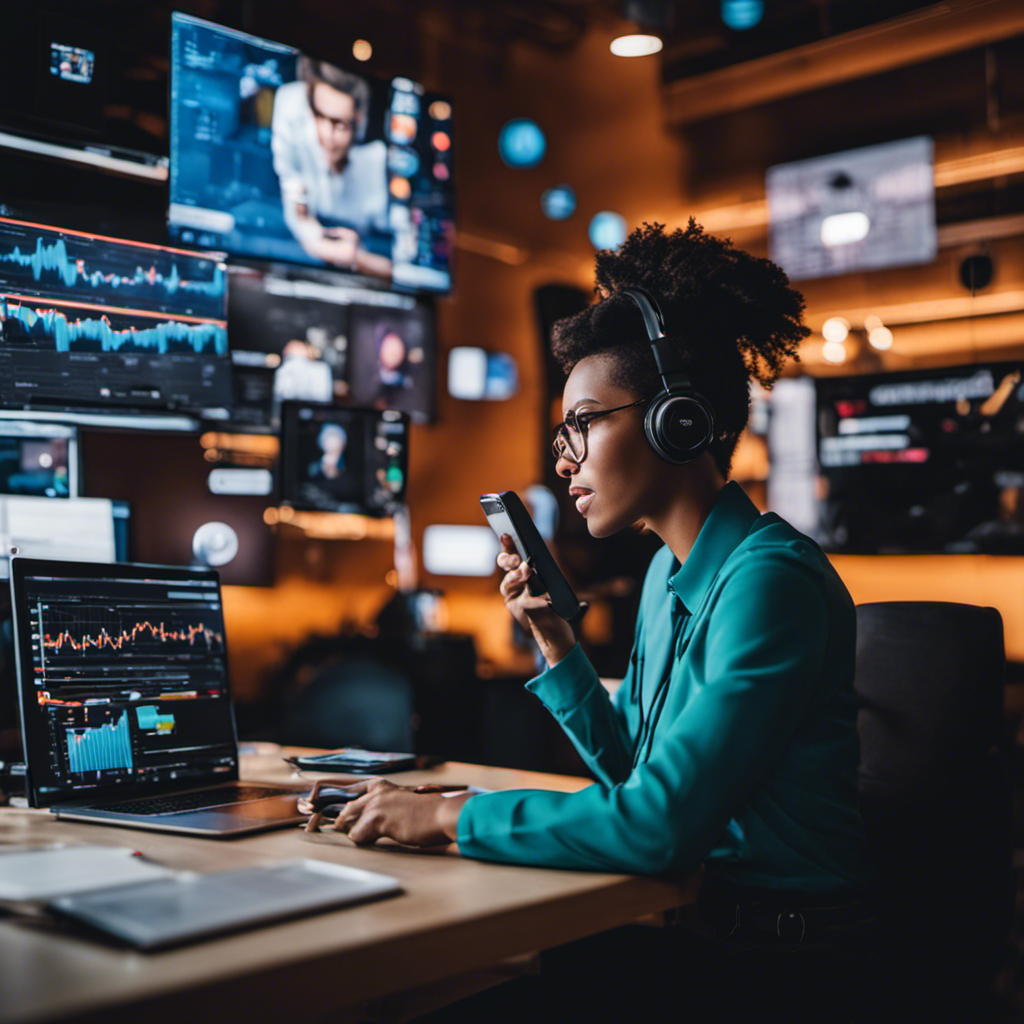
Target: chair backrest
(933, 788)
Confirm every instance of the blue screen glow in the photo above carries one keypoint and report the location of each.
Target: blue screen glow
(607, 230)
(522, 143)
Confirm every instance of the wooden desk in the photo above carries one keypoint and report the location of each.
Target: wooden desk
(456, 916)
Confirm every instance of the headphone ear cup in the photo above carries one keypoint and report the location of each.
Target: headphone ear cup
(679, 426)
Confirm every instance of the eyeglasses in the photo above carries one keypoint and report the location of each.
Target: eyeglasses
(570, 436)
(345, 126)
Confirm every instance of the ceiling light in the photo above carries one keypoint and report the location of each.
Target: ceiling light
(880, 338)
(833, 352)
(844, 228)
(636, 45)
(835, 329)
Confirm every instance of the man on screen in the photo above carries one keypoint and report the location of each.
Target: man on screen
(334, 191)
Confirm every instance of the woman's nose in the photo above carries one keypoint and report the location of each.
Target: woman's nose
(565, 467)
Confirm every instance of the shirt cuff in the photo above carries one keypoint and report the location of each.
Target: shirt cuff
(565, 686)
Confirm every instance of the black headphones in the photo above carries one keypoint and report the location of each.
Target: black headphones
(679, 424)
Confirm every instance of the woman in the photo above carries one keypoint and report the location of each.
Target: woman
(732, 741)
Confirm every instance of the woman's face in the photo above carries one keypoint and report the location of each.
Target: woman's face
(621, 480)
(392, 351)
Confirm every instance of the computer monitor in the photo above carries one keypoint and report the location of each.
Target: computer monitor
(923, 461)
(863, 209)
(280, 156)
(123, 678)
(38, 460)
(44, 528)
(89, 322)
(343, 460)
(72, 91)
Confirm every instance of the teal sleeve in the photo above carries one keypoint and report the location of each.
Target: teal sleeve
(600, 729)
(764, 651)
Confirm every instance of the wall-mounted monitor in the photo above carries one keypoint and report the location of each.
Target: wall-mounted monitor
(343, 460)
(89, 322)
(923, 461)
(316, 337)
(863, 209)
(38, 460)
(280, 156)
(71, 90)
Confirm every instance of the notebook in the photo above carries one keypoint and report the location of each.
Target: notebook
(125, 709)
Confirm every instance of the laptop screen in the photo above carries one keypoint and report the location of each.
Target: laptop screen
(122, 675)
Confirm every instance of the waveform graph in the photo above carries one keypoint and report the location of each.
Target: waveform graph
(112, 633)
(52, 262)
(104, 747)
(67, 327)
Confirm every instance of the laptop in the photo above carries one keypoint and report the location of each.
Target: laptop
(123, 691)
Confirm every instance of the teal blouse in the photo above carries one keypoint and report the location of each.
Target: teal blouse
(732, 740)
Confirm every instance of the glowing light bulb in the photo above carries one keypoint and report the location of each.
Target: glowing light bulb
(835, 328)
(880, 338)
(636, 45)
(833, 352)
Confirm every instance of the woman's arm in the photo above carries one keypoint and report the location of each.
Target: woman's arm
(765, 650)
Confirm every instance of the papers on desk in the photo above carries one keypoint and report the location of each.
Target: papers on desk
(117, 892)
(38, 873)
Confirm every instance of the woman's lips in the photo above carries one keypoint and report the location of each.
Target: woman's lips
(583, 502)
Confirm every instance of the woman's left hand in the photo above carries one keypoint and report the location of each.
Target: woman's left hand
(384, 810)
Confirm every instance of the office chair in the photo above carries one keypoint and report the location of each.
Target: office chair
(935, 800)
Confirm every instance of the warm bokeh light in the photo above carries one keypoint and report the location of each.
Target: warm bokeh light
(871, 322)
(636, 45)
(362, 50)
(441, 141)
(400, 188)
(880, 338)
(439, 110)
(833, 352)
(835, 328)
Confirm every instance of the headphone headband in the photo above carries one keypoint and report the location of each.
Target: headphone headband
(679, 424)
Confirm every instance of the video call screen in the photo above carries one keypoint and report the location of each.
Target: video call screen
(392, 360)
(343, 460)
(311, 340)
(280, 156)
(923, 461)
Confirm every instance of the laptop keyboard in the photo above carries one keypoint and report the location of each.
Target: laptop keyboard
(206, 798)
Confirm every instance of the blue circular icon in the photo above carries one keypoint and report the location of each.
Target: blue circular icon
(607, 230)
(558, 202)
(521, 143)
(402, 161)
(742, 14)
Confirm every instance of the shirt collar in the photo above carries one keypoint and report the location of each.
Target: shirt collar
(728, 523)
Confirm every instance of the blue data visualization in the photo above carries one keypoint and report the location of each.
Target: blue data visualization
(105, 747)
(92, 322)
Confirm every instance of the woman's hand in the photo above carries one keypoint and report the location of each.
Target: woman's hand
(553, 634)
(384, 810)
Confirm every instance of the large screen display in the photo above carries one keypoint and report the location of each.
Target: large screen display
(923, 461)
(860, 210)
(313, 338)
(92, 322)
(280, 156)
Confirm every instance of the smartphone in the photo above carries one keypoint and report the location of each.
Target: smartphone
(507, 514)
(355, 761)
